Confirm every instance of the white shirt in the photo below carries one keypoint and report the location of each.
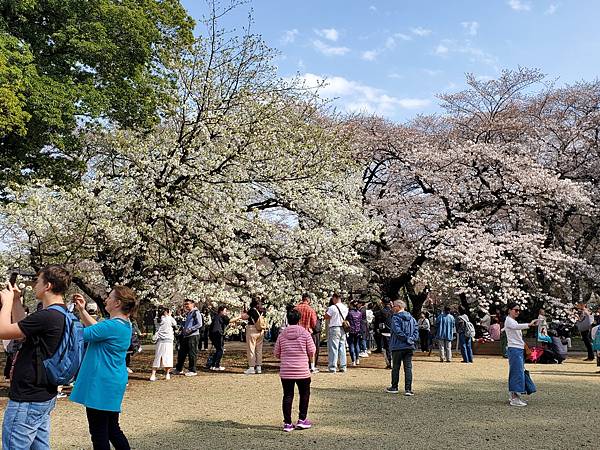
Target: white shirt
(336, 320)
(514, 335)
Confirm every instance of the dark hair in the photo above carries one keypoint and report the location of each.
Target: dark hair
(462, 309)
(57, 276)
(189, 300)
(162, 310)
(128, 299)
(511, 305)
(446, 309)
(293, 317)
(306, 296)
(255, 303)
(221, 308)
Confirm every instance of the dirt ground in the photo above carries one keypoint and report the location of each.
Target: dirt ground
(455, 406)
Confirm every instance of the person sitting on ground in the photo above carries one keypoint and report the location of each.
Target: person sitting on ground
(164, 337)
(404, 338)
(295, 348)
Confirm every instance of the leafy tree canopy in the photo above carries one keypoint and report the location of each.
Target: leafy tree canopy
(69, 63)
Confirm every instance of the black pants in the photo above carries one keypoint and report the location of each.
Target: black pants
(378, 342)
(204, 333)
(288, 398)
(105, 430)
(188, 348)
(385, 340)
(399, 357)
(424, 338)
(217, 342)
(587, 340)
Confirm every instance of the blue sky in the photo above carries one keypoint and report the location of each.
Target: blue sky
(392, 57)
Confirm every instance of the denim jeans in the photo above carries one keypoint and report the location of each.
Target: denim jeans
(466, 348)
(27, 425)
(354, 344)
(336, 348)
(218, 344)
(516, 370)
(399, 357)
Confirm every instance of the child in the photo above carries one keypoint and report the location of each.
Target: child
(295, 348)
(164, 344)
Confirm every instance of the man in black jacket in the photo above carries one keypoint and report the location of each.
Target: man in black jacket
(217, 337)
(381, 323)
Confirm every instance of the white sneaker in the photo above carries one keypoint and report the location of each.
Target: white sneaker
(249, 371)
(129, 370)
(191, 374)
(152, 378)
(517, 402)
(363, 354)
(354, 363)
(314, 370)
(357, 362)
(168, 376)
(258, 369)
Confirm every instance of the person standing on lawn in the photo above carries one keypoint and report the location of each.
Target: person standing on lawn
(32, 397)
(102, 378)
(424, 329)
(584, 325)
(403, 342)
(336, 336)
(188, 345)
(295, 348)
(217, 336)
(465, 337)
(516, 354)
(164, 337)
(354, 335)
(445, 325)
(308, 321)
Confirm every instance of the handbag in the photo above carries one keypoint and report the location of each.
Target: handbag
(345, 324)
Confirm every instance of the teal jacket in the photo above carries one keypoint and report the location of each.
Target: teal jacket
(102, 378)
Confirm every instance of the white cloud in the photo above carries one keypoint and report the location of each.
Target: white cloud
(441, 50)
(331, 34)
(432, 73)
(373, 8)
(370, 55)
(551, 9)
(519, 5)
(392, 40)
(354, 96)
(396, 76)
(475, 54)
(289, 37)
(328, 50)
(471, 28)
(420, 31)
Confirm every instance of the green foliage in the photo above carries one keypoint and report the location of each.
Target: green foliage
(67, 63)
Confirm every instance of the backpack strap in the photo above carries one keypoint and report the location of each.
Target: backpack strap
(39, 344)
(339, 310)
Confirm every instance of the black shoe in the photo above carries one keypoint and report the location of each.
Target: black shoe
(588, 359)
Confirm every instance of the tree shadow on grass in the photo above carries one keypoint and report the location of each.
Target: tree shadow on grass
(229, 425)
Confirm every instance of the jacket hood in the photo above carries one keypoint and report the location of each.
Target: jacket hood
(405, 315)
(292, 332)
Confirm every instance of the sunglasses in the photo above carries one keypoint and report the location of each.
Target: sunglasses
(516, 309)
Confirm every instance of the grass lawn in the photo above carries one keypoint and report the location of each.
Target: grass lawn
(455, 406)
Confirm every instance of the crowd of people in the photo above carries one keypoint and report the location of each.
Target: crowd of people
(101, 375)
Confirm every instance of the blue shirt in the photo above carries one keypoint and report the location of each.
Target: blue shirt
(102, 377)
(445, 327)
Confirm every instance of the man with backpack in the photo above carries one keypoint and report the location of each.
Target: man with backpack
(32, 395)
(381, 323)
(190, 338)
(466, 334)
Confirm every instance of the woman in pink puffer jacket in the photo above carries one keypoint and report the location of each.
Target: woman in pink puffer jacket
(295, 349)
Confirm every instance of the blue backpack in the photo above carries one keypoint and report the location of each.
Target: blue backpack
(64, 364)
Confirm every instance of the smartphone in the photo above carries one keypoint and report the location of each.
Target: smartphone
(13, 278)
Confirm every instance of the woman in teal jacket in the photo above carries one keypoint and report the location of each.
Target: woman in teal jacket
(102, 378)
